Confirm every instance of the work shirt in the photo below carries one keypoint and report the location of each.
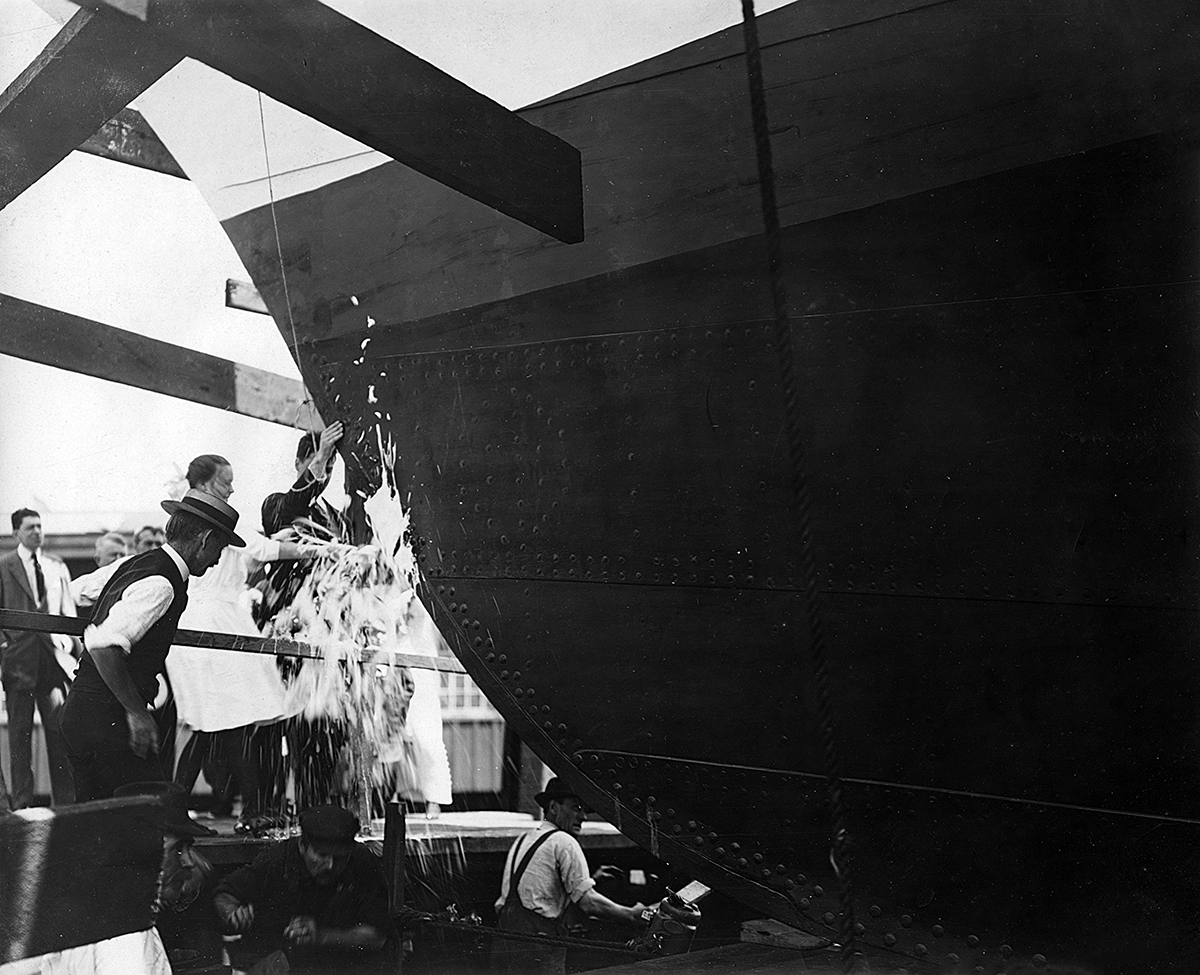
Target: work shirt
(138, 611)
(139, 607)
(280, 887)
(556, 876)
(86, 589)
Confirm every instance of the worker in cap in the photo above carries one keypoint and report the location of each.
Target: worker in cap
(545, 880)
(320, 891)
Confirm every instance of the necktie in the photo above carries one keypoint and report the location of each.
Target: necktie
(41, 581)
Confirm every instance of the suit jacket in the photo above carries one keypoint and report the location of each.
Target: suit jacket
(22, 649)
(280, 581)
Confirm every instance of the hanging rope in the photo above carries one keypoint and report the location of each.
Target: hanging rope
(287, 298)
(839, 853)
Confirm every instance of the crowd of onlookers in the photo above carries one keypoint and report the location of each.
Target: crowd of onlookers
(113, 545)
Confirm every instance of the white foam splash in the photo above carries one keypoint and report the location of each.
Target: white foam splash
(358, 606)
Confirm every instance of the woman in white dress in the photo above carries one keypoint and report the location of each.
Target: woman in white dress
(222, 694)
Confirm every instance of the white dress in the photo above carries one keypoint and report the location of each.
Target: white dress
(427, 777)
(219, 689)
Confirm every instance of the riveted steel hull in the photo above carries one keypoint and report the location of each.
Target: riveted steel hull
(998, 403)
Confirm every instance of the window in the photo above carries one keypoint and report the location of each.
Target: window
(462, 700)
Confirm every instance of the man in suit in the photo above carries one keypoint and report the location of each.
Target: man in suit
(32, 664)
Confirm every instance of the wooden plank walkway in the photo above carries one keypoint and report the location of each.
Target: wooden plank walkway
(483, 832)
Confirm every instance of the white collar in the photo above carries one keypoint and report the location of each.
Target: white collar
(25, 553)
(178, 560)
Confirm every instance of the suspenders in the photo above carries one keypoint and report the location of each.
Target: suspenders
(519, 870)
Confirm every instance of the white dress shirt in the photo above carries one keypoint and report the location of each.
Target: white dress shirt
(58, 598)
(140, 606)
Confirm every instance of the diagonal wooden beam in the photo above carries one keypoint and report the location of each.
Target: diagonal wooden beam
(128, 138)
(92, 68)
(306, 55)
(54, 338)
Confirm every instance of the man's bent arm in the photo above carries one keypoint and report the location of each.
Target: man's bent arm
(597, 905)
(280, 510)
(110, 662)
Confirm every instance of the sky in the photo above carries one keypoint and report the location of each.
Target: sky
(143, 251)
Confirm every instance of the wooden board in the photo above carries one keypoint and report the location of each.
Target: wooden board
(85, 76)
(128, 138)
(236, 643)
(423, 837)
(243, 295)
(77, 874)
(743, 959)
(55, 338)
(306, 55)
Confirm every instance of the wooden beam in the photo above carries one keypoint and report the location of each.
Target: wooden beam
(243, 295)
(271, 646)
(87, 74)
(128, 138)
(54, 338)
(306, 55)
(393, 856)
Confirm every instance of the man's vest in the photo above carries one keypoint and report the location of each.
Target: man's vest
(147, 658)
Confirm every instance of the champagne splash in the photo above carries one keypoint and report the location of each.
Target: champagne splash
(358, 606)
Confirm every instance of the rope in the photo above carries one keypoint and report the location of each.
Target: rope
(839, 848)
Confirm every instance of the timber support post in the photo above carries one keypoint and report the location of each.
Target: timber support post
(393, 869)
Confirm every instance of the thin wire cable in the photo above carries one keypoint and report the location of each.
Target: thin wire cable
(287, 298)
(910, 787)
(839, 853)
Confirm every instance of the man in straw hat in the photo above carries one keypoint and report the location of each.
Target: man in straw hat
(111, 736)
(545, 874)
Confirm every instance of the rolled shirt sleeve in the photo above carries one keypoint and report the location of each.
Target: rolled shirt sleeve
(260, 548)
(141, 605)
(573, 869)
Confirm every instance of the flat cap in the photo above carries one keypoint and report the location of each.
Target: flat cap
(330, 826)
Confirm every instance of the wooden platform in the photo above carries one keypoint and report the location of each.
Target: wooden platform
(466, 833)
(759, 959)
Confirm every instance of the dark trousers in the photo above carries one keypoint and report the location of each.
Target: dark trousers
(97, 740)
(20, 704)
(99, 773)
(166, 719)
(527, 957)
(229, 749)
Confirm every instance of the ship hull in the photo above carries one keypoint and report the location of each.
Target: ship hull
(996, 400)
